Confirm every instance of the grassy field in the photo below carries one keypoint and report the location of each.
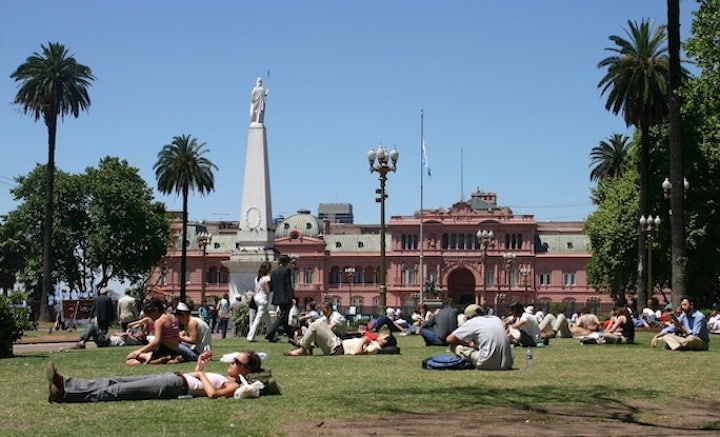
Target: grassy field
(316, 389)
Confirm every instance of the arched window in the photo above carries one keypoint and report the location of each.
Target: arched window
(212, 277)
(223, 274)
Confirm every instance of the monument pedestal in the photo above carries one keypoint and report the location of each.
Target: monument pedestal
(243, 267)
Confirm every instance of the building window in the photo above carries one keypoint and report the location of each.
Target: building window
(409, 275)
(308, 276)
(544, 278)
(445, 241)
(216, 245)
(335, 275)
(514, 276)
(453, 241)
(223, 275)
(163, 276)
(569, 245)
(338, 244)
(361, 244)
(568, 278)
(286, 225)
(513, 241)
(489, 277)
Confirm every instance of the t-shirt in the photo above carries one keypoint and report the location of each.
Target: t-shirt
(339, 320)
(531, 327)
(195, 386)
(494, 348)
(351, 344)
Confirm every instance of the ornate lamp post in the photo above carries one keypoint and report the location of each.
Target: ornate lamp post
(382, 162)
(350, 274)
(486, 239)
(649, 227)
(204, 238)
(525, 273)
(509, 262)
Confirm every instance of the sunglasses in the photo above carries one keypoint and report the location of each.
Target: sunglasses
(239, 363)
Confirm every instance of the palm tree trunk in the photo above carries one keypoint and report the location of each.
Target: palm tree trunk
(51, 123)
(677, 195)
(183, 257)
(644, 200)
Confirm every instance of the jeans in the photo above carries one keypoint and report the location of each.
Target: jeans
(187, 353)
(431, 338)
(223, 325)
(390, 323)
(162, 386)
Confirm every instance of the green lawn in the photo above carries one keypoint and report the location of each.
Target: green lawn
(319, 388)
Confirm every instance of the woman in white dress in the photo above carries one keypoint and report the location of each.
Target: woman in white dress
(262, 291)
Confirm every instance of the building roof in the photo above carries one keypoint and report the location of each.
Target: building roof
(562, 243)
(303, 222)
(355, 242)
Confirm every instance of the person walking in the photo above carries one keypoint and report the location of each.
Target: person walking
(127, 310)
(283, 295)
(262, 291)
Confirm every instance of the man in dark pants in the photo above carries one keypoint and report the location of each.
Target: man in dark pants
(104, 312)
(283, 294)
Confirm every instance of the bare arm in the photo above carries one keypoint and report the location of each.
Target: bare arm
(151, 345)
(191, 333)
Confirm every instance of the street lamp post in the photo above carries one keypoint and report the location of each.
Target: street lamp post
(204, 238)
(525, 273)
(509, 261)
(382, 162)
(649, 227)
(486, 239)
(350, 274)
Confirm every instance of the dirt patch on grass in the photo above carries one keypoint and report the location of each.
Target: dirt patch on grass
(643, 418)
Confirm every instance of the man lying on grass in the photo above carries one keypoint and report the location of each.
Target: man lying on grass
(158, 386)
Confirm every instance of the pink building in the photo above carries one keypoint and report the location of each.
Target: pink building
(538, 263)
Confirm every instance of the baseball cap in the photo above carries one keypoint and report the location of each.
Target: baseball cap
(472, 310)
(182, 308)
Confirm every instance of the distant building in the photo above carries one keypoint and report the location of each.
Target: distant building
(336, 212)
(529, 261)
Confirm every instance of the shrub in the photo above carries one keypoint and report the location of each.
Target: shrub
(14, 320)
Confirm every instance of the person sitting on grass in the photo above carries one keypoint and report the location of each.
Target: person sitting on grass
(195, 337)
(436, 329)
(687, 331)
(522, 326)
(482, 340)
(199, 383)
(321, 335)
(621, 328)
(165, 344)
(587, 323)
(391, 321)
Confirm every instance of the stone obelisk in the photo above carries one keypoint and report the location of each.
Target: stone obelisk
(256, 233)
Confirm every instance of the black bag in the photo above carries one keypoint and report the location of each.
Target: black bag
(253, 304)
(264, 376)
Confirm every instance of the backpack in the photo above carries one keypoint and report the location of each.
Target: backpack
(446, 362)
(271, 386)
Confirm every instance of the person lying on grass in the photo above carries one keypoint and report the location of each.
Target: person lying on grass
(169, 385)
(321, 335)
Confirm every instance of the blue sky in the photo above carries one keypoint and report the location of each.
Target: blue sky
(511, 84)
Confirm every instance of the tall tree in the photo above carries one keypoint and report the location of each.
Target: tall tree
(677, 207)
(52, 84)
(636, 82)
(181, 167)
(609, 158)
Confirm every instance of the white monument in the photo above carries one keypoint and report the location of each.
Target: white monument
(256, 235)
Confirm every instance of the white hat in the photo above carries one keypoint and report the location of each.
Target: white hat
(530, 309)
(182, 308)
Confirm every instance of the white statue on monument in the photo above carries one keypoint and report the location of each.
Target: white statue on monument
(257, 102)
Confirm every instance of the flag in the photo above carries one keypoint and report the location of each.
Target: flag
(425, 162)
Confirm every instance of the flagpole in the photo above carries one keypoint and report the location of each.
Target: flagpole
(422, 241)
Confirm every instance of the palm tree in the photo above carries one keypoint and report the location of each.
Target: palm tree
(677, 207)
(52, 84)
(637, 85)
(181, 167)
(609, 158)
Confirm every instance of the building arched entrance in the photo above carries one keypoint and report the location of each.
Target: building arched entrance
(461, 287)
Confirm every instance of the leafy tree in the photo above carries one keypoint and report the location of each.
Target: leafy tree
(181, 167)
(636, 83)
(14, 321)
(107, 226)
(130, 230)
(609, 158)
(52, 84)
(610, 228)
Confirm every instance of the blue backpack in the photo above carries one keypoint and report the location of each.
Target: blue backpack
(446, 362)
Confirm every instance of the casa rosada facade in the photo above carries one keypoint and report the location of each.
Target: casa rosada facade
(519, 258)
